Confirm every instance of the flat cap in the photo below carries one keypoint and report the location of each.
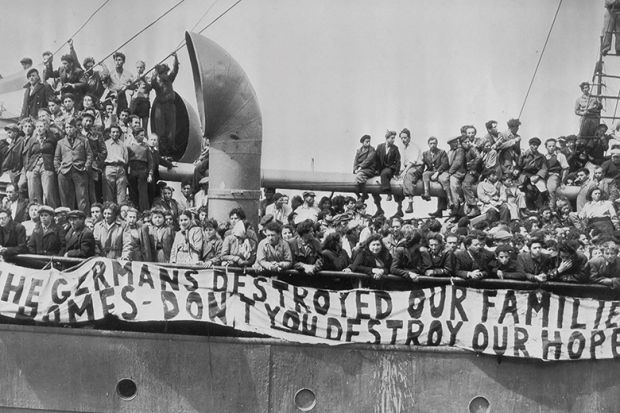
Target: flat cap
(76, 213)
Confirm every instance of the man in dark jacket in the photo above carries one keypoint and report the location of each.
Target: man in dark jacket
(36, 94)
(410, 261)
(12, 236)
(434, 164)
(364, 165)
(79, 239)
(387, 165)
(47, 238)
(472, 262)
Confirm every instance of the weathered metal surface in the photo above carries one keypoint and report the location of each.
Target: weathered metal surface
(78, 370)
(231, 119)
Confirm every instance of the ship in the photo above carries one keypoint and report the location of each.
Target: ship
(160, 366)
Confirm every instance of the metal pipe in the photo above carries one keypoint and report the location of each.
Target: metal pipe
(232, 121)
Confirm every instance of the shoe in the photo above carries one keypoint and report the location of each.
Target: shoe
(409, 209)
(436, 214)
(378, 213)
(389, 197)
(426, 197)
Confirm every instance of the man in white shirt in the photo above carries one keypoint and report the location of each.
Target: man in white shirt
(279, 209)
(411, 159)
(307, 210)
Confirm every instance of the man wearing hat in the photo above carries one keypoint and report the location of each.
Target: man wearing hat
(79, 240)
(588, 109)
(36, 94)
(364, 165)
(201, 198)
(531, 171)
(47, 238)
(307, 210)
(72, 162)
(611, 168)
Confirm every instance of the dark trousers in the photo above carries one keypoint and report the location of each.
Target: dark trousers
(138, 187)
(386, 175)
(73, 187)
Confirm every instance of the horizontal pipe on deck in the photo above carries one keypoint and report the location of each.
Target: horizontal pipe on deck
(326, 181)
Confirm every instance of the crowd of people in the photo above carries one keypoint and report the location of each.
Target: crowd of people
(84, 182)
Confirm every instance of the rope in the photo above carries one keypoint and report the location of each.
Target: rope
(540, 59)
(138, 34)
(83, 25)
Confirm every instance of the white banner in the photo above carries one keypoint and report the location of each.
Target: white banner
(531, 324)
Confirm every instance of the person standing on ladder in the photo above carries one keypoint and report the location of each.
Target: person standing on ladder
(611, 25)
(589, 109)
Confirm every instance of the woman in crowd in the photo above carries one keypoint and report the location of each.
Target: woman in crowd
(599, 213)
(238, 249)
(373, 259)
(188, 241)
(212, 247)
(333, 256)
(33, 218)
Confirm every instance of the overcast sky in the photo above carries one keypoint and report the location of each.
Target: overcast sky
(328, 71)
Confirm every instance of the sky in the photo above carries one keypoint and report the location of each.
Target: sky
(328, 71)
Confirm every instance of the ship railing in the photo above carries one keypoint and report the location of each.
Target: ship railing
(347, 280)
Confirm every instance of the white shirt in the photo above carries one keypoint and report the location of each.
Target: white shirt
(409, 155)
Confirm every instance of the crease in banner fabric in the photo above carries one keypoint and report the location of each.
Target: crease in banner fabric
(511, 323)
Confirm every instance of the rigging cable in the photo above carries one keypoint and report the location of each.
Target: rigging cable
(540, 58)
(82, 26)
(137, 34)
(183, 44)
(199, 20)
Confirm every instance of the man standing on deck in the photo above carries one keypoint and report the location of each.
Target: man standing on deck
(589, 110)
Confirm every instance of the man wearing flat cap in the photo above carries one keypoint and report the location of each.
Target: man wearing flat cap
(79, 240)
(307, 210)
(531, 171)
(364, 165)
(12, 236)
(36, 94)
(588, 109)
(47, 238)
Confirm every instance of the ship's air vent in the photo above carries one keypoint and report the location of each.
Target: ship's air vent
(126, 389)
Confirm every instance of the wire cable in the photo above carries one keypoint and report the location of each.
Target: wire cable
(82, 26)
(542, 53)
(183, 44)
(200, 19)
(138, 34)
